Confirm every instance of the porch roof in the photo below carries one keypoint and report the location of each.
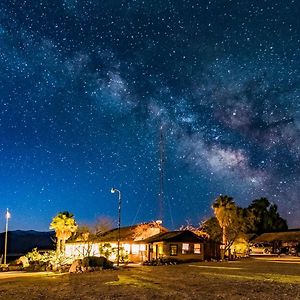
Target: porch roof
(183, 236)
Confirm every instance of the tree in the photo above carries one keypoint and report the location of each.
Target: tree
(83, 233)
(64, 225)
(197, 230)
(266, 217)
(233, 221)
(145, 230)
(102, 225)
(87, 232)
(224, 208)
(212, 227)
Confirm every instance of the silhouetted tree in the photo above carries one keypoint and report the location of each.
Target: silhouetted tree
(266, 216)
(212, 227)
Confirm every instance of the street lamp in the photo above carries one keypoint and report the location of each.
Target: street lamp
(7, 216)
(114, 190)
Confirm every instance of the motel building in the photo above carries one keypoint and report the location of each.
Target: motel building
(143, 242)
(132, 243)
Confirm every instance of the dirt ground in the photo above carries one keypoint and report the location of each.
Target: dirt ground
(247, 279)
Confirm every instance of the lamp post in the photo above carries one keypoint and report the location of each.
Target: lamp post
(114, 190)
(7, 216)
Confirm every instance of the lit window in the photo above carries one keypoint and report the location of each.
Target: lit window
(197, 248)
(173, 250)
(185, 248)
(126, 248)
(135, 249)
(142, 247)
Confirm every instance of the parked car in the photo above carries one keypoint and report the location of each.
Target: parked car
(293, 251)
(282, 250)
(260, 248)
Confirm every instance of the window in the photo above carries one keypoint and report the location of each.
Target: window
(173, 250)
(197, 248)
(126, 248)
(185, 248)
(135, 249)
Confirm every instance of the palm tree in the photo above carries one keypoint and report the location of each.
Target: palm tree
(64, 225)
(224, 207)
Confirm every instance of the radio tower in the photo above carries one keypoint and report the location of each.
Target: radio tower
(161, 172)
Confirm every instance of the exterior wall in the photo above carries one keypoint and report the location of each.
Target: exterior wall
(136, 252)
(212, 250)
(163, 250)
(79, 250)
(158, 250)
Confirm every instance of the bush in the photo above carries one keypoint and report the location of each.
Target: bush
(48, 261)
(108, 251)
(3, 267)
(162, 261)
(94, 262)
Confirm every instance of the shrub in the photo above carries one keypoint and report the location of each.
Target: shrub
(47, 261)
(110, 252)
(94, 262)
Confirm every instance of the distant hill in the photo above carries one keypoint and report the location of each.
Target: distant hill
(20, 242)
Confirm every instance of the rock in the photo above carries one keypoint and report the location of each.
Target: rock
(23, 260)
(76, 266)
(15, 268)
(89, 264)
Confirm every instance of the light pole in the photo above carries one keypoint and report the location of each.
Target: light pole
(113, 190)
(7, 216)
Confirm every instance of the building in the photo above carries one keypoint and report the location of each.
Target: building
(144, 242)
(289, 239)
(181, 245)
(132, 243)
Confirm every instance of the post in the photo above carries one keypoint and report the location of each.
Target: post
(113, 190)
(7, 216)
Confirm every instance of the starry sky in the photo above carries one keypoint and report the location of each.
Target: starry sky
(85, 87)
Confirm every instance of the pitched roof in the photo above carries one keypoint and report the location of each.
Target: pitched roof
(286, 236)
(128, 233)
(176, 236)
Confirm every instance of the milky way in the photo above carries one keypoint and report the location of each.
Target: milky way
(85, 87)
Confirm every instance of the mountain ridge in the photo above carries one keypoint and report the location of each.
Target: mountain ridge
(23, 241)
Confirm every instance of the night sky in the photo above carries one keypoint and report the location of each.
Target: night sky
(85, 87)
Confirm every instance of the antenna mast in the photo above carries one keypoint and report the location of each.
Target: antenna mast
(161, 172)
